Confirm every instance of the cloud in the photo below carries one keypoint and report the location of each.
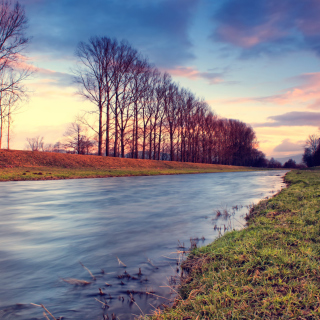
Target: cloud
(194, 74)
(287, 146)
(306, 94)
(292, 119)
(268, 26)
(159, 28)
(47, 76)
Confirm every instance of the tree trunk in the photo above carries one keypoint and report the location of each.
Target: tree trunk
(136, 136)
(171, 145)
(150, 142)
(115, 150)
(144, 142)
(100, 130)
(160, 136)
(107, 127)
(1, 124)
(8, 141)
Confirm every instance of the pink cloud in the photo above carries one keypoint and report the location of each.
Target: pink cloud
(307, 94)
(47, 77)
(248, 39)
(194, 74)
(288, 146)
(25, 63)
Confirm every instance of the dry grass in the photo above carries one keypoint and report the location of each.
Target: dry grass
(28, 165)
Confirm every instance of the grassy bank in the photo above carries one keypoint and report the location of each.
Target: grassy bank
(269, 270)
(28, 165)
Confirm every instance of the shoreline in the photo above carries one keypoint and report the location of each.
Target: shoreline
(44, 174)
(268, 270)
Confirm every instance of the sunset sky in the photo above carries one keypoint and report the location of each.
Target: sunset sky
(253, 60)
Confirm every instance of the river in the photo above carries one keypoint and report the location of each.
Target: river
(52, 231)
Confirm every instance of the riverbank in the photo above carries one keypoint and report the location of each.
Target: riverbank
(269, 270)
(27, 165)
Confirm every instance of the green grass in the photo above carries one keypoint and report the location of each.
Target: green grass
(269, 270)
(52, 173)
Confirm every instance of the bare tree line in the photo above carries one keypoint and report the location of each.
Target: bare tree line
(142, 113)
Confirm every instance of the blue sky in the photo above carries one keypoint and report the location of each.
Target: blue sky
(253, 60)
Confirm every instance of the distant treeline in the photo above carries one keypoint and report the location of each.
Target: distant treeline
(142, 113)
(311, 156)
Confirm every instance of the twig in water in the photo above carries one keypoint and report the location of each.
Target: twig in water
(133, 301)
(100, 301)
(76, 281)
(45, 315)
(239, 222)
(121, 263)
(171, 289)
(104, 304)
(157, 296)
(42, 306)
(93, 277)
(170, 258)
(152, 263)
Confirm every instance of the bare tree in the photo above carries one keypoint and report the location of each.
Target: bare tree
(13, 23)
(312, 142)
(35, 144)
(90, 76)
(58, 147)
(76, 140)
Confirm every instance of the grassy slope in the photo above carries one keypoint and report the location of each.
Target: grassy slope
(269, 270)
(26, 165)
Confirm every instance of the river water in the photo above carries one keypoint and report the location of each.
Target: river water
(54, 230)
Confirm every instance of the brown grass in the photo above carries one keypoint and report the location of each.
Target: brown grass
(19, 158)
(29, 165)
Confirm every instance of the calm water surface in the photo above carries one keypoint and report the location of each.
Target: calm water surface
(48, 227)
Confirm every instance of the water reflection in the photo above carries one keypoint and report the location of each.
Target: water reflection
(48, 227)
